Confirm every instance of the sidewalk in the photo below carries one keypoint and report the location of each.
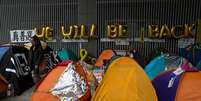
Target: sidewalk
(23, 97)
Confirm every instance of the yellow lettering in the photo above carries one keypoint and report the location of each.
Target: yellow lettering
(39, 33)
(189, 30)
(165, 32)
(83, 32)
(93, 31)
(76, 31)
(174, 34)
(153, 31)
(122, 31)
(67, 35)
(112, 31)
(49, 33)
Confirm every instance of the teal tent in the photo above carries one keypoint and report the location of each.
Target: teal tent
(65, 54)
(162, 63)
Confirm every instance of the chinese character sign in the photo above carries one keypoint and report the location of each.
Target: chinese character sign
(21, 35)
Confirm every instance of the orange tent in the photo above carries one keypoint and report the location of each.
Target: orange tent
(171, 86)
(105, 55)
(189, 89)
(42, 92)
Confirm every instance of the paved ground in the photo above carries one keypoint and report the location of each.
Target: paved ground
(23, 97)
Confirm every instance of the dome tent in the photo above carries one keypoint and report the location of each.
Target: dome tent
(163, 63)
(123, 82)
(65, 54)
(178, 85)
(55, 86)
(104, 56)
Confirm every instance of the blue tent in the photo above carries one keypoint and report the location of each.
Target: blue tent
(65, 54)
(163, 63)
(155, 66)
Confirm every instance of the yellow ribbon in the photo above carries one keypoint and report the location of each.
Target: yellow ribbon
(84, 56)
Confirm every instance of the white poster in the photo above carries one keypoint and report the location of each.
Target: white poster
(121, 52)
(21, 35)
(184, 42)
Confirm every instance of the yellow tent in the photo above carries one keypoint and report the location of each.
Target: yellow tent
(125, 80)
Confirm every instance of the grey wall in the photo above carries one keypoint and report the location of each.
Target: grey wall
(27, 14)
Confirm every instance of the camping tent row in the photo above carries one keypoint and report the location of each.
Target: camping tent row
(122, 80)
(124, 72)
(187, 54)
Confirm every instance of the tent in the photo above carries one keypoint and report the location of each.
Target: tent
(178, 85)
(156, 52)
(163, 63)
(15, 71)
(55, 86)
(65, 54)
(105, 56)
(125, 80)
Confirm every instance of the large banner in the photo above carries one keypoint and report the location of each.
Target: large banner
(21, 35)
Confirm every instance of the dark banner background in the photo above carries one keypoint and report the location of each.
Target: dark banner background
(27, 14)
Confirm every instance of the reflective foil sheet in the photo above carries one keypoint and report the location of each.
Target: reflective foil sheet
(70, 86)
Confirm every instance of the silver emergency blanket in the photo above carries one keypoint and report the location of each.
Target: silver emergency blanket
(70, 86)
